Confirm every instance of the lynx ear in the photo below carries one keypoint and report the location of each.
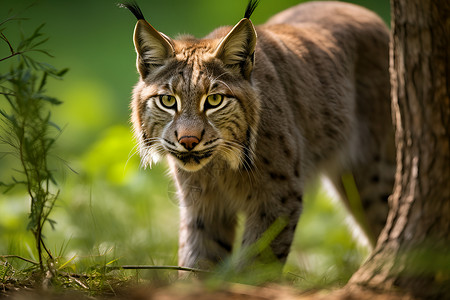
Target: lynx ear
(237, 48)
(152, 47)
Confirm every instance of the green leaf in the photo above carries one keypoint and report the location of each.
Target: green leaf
(62, 72)
(42, 51)
(38, 43)
(52, 100)
(8, 186)
(4, 114)
(67, 262)
(43, 82)
(54, 125)
(52, 223)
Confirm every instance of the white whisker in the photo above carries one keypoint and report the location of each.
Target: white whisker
(132, 153)
(245, 159)
(149, 150)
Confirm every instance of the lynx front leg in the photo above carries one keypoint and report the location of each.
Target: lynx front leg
(276, 223)
(206, 237)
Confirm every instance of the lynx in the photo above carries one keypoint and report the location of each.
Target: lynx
(247, 116)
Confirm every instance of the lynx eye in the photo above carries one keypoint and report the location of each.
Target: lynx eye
(213, 101)
(168, 101)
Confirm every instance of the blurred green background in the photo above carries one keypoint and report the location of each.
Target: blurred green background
(111, 208)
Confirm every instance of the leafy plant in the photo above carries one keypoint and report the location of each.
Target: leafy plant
(27, 130)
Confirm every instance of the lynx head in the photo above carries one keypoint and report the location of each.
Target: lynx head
(194, 101)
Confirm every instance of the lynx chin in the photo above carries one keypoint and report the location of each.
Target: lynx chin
(247, 116)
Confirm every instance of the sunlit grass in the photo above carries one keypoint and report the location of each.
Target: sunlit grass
(325, 251)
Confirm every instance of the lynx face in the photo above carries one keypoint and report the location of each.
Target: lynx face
(193, 111)
(193, 102)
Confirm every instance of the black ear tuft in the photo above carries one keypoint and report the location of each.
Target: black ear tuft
(251, 6)
(134, 8)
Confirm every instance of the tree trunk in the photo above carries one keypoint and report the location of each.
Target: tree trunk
(413, 251)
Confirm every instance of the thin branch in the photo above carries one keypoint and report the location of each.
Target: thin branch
(7, 94)
(20, 257)
(7, 41)
(146, 267)
(45, 248)
(22, 52)
(78, 282)
(12, 55)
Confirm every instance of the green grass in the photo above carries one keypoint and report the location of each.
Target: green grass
(134, 221)
(114, 213)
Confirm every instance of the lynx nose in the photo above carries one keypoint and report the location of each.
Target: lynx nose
(189, 142)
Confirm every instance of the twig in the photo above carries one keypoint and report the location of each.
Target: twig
(20, 257)
(145, 267)
(18, 53)
(7, 41)
(7, 94)
(9, 56)
(79, 282)
(45, 247)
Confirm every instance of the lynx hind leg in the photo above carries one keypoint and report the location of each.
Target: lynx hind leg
(374, 182)
(365, 189)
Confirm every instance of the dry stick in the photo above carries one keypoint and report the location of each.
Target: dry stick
(20, 257)
(144, 267)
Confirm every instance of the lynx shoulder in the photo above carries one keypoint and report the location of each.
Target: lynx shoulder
(247, 116)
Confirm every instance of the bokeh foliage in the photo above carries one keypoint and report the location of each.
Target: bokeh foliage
(111, 209)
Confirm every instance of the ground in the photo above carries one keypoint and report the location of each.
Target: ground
(198, 291)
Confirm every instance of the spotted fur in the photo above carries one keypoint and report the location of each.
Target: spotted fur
(247, 117)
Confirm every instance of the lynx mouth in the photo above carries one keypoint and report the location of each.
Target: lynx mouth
(192, 160)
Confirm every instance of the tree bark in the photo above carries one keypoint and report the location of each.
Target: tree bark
(413, 251)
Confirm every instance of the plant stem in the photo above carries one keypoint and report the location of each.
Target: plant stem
(20, 257)
(46, 249)
(37, 237)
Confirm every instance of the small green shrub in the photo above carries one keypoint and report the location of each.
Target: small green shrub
(26, 129)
